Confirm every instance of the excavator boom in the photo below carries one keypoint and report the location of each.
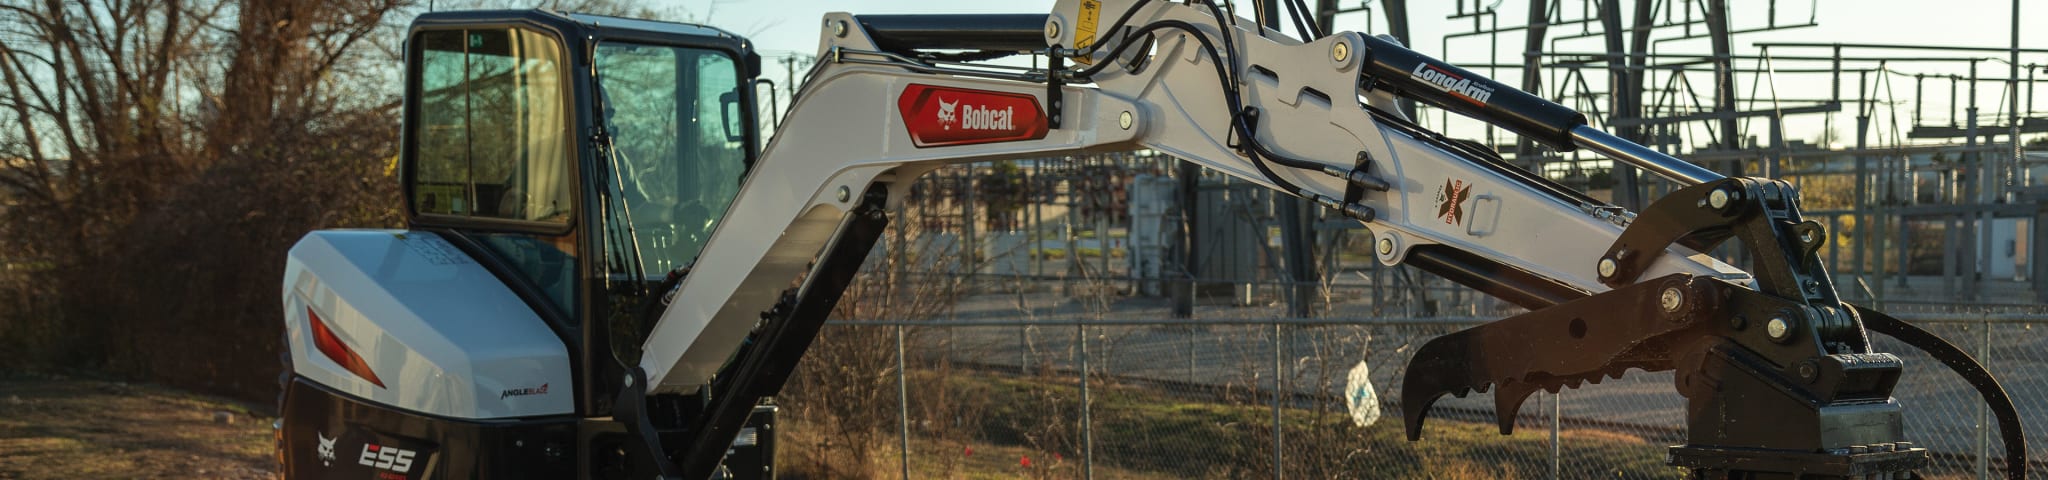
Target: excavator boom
(1609, 290)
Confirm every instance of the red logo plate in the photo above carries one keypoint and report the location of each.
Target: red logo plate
(943, 116)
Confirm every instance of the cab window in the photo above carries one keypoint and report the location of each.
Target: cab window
(491, 140)
(676, 158)
(490, 148)
(678, 148)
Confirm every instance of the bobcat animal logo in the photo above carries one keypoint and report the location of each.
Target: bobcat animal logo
(326, 448)
(946, 115)
(1450, 200)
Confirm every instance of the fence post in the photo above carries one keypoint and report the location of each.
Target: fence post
(1087, 424)
(1279, 469)
(1983, 422)
(1556, 449)
(1024, 350)
(902, 402)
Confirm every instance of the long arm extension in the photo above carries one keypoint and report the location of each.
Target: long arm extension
(1315, 120)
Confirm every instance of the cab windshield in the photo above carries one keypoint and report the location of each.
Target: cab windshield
(678, 151)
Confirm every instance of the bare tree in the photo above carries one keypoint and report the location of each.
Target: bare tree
(844, 392)
(158, 156)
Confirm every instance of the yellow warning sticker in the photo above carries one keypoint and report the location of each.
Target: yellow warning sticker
(1084, 33)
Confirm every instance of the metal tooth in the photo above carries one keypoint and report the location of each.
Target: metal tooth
(1507, 404)
(1511, 391)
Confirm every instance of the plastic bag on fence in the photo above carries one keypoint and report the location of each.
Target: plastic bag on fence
(1360, 398)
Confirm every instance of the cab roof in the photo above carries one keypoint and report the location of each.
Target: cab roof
(578, 29)
(650, 26)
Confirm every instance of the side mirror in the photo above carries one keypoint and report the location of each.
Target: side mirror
(733, 120)
(772, 119)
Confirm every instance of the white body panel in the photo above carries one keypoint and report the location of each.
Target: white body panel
(446, 337)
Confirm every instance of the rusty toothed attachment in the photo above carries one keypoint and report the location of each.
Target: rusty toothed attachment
(1568, 345)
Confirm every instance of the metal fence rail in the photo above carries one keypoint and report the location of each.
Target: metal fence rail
(1232, 398)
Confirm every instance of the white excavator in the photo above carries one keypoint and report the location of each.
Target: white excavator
(605, 274)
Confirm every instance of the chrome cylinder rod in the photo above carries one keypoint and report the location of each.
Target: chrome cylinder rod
(1680, 171)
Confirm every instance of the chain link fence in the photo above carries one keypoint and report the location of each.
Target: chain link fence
(1001, 391)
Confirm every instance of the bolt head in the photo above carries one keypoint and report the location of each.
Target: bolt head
(1718, 199)
(1125, 120)
(1052, 29)
(845, 193)
(839, 28)
(1778, 328)
(1671, 300)
(1608, 267)
(1340, 51)
(1808, 371)
(1386, 246)
(1806, 236)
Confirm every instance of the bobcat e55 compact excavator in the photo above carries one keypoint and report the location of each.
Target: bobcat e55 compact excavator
(605, 274)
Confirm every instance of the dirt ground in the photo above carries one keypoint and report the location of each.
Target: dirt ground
(52, 426)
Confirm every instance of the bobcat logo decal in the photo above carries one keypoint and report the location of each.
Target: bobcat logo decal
(946, 115)
(326, 448)
(936, 116)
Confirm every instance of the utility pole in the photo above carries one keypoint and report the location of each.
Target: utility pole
(2012, 118)
(1532, 76)
(1397, 25)
(789, 72)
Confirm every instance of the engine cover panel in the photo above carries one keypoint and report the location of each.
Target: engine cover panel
(444, 335)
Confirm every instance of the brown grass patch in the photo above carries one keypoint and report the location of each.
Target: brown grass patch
(68, 428)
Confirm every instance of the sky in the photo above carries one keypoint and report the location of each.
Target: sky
(783, 27)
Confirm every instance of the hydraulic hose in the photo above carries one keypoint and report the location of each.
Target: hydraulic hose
(1242, 118)
(1230, 95)
(2010, 431)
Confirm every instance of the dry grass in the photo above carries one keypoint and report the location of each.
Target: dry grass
(802, 459)
(54, 427)
(1145, 434)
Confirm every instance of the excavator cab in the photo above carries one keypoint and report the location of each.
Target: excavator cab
(556, 169)
(592, 156)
